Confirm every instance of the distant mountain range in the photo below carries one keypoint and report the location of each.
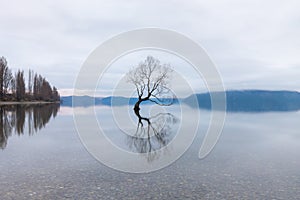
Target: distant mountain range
(236, 101)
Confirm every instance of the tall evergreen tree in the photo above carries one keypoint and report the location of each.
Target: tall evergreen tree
(3, 67)
(20, 85)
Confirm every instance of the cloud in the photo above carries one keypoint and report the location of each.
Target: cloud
(255, 44)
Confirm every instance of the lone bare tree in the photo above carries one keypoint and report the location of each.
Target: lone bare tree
(151, 79)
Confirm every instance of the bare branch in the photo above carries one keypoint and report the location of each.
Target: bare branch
(151, 79)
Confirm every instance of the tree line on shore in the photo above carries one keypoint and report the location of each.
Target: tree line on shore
(13, 87)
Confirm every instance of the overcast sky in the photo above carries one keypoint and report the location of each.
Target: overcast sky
(255, 43)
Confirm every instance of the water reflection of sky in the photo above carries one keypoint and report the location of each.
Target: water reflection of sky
(257, 156)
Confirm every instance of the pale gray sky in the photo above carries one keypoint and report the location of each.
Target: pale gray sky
(254, 43)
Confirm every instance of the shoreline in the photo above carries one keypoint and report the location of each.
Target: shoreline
(26, 102)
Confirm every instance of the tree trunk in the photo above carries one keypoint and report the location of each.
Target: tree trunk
(137, 106)
(137, 111)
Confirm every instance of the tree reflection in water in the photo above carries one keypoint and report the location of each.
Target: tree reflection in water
(13, 119)
(152, 134)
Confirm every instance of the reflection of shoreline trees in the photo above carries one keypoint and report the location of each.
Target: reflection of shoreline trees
(13, 119)
(152, 134)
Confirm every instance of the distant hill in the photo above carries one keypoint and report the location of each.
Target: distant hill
(236, 101)
(253, 100)
(82, 101)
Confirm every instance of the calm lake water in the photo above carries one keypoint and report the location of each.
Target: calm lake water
(42, 157)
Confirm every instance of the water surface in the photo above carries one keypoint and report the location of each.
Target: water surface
(257, 157)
